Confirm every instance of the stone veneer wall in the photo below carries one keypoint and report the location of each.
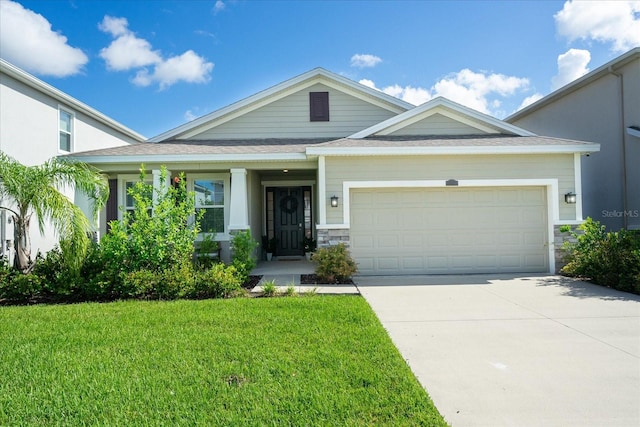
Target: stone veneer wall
(558, 241)
(332, 236)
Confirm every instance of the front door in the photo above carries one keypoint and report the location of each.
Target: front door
(289, 221)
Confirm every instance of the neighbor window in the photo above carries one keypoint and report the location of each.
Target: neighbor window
(210, 199)
(319, 106)
(65, 131)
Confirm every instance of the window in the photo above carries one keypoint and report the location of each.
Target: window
(210, 199)
(65, 131)
(125, 182)
(319, 106)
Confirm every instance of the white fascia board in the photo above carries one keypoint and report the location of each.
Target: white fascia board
(66, 100)
(433, 104)
(173, 158)
(282, 89)
(459, 150)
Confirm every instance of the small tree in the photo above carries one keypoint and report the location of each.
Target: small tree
(36, 190)
(156, 235)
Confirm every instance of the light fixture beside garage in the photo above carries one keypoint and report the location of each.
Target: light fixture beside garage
(570, 198)
(334, 201)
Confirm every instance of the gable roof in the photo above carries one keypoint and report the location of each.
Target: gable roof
(609, 67)
(279, 91)
(440, 105)
(22, 76)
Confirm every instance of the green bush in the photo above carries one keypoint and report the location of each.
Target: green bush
(21, 287)
(59, 281)
(156, 236)
(243, 258)
(269, 288)
(334, 264)
(220, 281)
(177, 282)
(609, 259)
(138, 284)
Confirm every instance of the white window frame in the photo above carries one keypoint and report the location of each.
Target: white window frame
(123, 180)
(226, 182)
(71, 132)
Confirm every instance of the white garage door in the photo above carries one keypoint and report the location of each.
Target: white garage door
(449, 230)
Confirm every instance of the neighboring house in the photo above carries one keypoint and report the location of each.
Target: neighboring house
(38, 122)
(438, 188)
(603, 106)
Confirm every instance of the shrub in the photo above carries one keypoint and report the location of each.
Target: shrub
(177, 282)
(156, 236)
(220, 281)
(21, 287)
(59, 281)
(334, 263)
(609, 259)
(269, 288)
(243, 258)
(139, 283)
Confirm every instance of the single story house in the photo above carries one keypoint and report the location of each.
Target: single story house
(438, 188)
(602, 106)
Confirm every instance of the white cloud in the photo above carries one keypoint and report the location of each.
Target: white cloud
(365, 60)
(571, 65)
(114, 26)
(219, 6)
(189, 116)
(530, 100)
(188, 67)
(27, 40)
(368, 83)
(616, 22)
(128, 52)
(480, 91)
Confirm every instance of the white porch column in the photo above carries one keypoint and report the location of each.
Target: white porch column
(322, 192)
(238, 206)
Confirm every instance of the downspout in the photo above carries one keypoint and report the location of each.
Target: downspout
(624, 149)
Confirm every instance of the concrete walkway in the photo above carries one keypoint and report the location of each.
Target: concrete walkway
(516, 351)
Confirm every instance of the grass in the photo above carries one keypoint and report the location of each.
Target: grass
(322, 361)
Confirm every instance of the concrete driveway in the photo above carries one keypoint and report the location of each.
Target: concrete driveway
(516, 351)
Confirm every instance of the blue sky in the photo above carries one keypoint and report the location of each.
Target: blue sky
(153, 65)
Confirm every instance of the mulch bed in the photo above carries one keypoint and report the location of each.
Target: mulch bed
(251, 282)
(313, 279)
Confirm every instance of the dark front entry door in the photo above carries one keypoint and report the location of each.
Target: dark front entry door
(289, 221)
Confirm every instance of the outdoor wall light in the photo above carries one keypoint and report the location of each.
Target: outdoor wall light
(570, 197)
(334, 201)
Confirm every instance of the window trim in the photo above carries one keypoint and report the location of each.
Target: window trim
(123, 179)
(226, 182)
(71, 133)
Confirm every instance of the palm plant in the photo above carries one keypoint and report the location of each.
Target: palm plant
(29, 190)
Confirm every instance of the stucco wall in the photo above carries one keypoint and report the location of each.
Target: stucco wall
(594, 113)
(29, 133)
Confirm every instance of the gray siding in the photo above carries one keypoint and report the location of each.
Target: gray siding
(560, 166)
(289, 118)
(437, 124)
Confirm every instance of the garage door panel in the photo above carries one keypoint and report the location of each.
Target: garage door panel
(450, 230)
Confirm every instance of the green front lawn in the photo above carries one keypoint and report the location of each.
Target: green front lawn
(322, 360)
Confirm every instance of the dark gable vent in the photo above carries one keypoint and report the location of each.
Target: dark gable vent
(319, 106)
